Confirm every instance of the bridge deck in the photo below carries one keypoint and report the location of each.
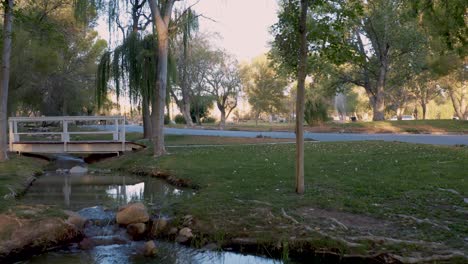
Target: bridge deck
(65, 143)
(74, 146)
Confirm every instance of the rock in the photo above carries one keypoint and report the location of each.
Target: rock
(78, 170)
(172, 231)
(136, 231)
(185, 234)
(76, 219)
(86, 244)
(34, 236)
(132, 214)
(150, 249)
(181, 239)
(98, 215)
(158, 227)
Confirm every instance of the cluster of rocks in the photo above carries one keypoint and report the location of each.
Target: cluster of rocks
(139, 226)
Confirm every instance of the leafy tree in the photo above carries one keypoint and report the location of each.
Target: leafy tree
(445, 24)
(263, 86)
(301, 38)
(200, 108)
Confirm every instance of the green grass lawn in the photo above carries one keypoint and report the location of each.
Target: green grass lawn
(14, 174)
(384, 196)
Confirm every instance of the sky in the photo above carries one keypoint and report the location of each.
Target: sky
(242, 25)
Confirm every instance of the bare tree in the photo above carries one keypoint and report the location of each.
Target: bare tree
(224, 84)
(5, 75)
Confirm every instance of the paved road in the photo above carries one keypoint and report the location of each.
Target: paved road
(411, 138)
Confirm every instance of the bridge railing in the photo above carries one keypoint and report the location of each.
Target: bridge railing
(118, 134)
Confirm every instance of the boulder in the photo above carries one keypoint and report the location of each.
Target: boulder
(78, 170)
(150, 249)
(76, 219)
(185, 234)
(132, 214)
(34, 236)
(158, 227)
(136, 231)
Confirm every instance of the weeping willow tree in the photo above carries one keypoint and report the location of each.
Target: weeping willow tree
(131, 67)
(161, 12)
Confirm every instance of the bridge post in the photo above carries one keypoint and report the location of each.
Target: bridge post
(65, 135)
(122, 137)
(15, 131)
(116, 133)
(11, 136)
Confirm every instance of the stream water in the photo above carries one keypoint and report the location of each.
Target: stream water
(97, 196)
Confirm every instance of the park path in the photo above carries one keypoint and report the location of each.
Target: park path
(324, 137)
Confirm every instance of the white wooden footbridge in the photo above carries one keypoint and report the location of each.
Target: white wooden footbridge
(60, 134)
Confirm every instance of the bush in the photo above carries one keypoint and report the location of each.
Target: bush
(179, 119)
(316, 112)
(167, 119)
(209, 120)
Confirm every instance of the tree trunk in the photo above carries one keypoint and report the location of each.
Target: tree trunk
(146, 118)
(222, 122)
(186, 112)
(159, 102)
(379, 103)
(161, 22)
(5, 75)
(459, 104)
(424, 110)
(301, 75)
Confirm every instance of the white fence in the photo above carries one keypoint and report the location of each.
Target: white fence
(118, 133)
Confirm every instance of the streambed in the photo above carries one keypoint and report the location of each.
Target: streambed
(98, 195)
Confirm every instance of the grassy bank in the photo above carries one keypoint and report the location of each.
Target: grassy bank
(361, 197)
(15, 175)
(407, 126)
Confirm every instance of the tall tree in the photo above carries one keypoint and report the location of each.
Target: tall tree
(224, 84)
(188, 22)
(5, 75)
(161, 13)
(263, 86)
(301, 76)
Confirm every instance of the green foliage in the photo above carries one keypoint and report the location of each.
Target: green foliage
(179, 119)
(167, 119)
(264, 86)
(209, 120)
(55, 57)
(316, 111)
(200, 107)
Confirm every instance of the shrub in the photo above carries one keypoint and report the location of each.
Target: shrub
(209, 120)
(167, 119)
(316, 112)
(179, 119)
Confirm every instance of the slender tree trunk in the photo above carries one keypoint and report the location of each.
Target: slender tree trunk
(424, 110)
(222, 122)
(5, 75)
(161, 22)
(186, 112)
(459, 104)
(146, 118)
(301, 75)
(159, 101)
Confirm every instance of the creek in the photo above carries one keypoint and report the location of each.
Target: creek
(97, 196)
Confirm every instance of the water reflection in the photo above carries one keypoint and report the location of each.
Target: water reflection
(129, 253)
(79, 191)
